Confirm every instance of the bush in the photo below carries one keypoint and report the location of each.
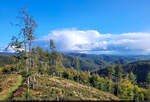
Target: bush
(1, 89)
(65, 75)
(24, 73)
(6, 71)
(29, 96)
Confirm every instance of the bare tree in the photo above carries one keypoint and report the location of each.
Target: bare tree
(26, 35)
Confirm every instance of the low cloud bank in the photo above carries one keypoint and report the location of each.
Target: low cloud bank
(92, 41)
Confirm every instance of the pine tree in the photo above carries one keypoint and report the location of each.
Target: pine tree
(16, 45)
(56, 58)
(118, 76)
(47, 57)
(132, 78)
(52, 46)
(76, 63)
(148, 80)
(111, 72)
(148, 84)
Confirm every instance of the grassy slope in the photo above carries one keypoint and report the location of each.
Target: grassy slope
(9, 84)
(50, 88)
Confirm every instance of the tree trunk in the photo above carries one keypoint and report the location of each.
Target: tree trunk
(27, 67)
(28, 85)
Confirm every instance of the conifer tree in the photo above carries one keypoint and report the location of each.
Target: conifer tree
(76, 63)
(148, 84)
(148, 80)
(132, 78)
(52, 46)
(16, 45)
(111, 72)
(118, 76)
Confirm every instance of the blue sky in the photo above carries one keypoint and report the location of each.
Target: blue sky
(102, 17)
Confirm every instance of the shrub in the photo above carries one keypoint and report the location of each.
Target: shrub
(1, 89)
(6, 71)
(29, 96)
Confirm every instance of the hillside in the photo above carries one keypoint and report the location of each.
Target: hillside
(88, 62)
(93, 62)
(139, 68)
(5, 59)
(48, 83)
(50, 88)
(85, 63)
(9, 84)
(112, 58)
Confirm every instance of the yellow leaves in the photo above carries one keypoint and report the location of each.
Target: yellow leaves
(129, 91)
(1, 70)
(126, 89)
(7, 67)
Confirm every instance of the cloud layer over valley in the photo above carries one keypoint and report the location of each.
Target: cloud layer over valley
(92, 41)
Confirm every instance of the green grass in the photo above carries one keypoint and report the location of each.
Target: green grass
(7, 92)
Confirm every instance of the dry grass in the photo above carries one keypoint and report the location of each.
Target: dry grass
(50, 88)
(9, 83)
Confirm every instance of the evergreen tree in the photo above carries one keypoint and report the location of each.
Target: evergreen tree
(16, 45)
(111, 72)
(132, 78)
(52, 46)
(118, 71)
(118, 76)
(148, 85)
(94, 80)
(56, 58)
(76, 63)
(47, 58)
(148, 80)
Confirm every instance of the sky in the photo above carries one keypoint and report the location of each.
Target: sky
(85, 26)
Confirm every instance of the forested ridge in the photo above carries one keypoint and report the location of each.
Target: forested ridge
(125, 87)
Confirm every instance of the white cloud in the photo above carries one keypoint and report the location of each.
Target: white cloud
(3, 49)
(92, 40)
(10, 49)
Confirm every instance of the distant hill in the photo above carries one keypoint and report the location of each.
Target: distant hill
(139, 68)
(7, 53)
(5, 59)
(94, 62)
(112, 58)
(85, 63)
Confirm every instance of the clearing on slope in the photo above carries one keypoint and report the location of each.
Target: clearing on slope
(51, 88)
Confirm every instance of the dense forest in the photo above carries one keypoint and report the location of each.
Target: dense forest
(37, 74)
